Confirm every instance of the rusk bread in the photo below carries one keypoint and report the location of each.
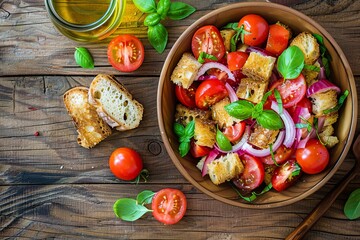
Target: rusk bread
(114, 103)
(91, 128)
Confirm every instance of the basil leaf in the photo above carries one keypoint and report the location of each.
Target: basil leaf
(152, 19)
(258, 109)
(163, 7)
(158, 37)
(296, 171)
(253, 195)
(223, 141)
(352, 205)
(180, 10)
(145, 6)
(319, 38)
(270, 119)
(273, 156)
(232, 25)
(278, 100)
(291, 62)
(325, 55)
(189, 129)
(312, 68)
(179, 129)
(265, 97)
(204, 55)
(83, 58)
(127, 209)
(184, 148)
(240, 109)
(339, 105)
(145, 197)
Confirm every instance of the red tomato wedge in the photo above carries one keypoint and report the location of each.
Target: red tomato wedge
(280, 155)
(208, 39)
(197, 150)
(278, 39)
(169, 206)
(292, 91)
(313, 158)
(256, 27)
(253, 174)
(126, 53)
(186, 96)
(210, 92)
(283, 175)
(235, 132)
(236, 60)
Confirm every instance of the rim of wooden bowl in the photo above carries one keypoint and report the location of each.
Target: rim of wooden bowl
(217, 16)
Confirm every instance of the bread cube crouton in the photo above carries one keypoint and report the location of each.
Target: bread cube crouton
(251, 90)
(205, 133)
(227, 34)
(185, 71)
(221, 116)
(200, 164)
(259, 67)
(327, 137)
(262, 137)
(331, 118)
(184, 115)
(225, 168)
(311, 76)
(308, 45)
(323, 101)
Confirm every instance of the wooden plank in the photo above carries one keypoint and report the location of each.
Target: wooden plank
(28, 48)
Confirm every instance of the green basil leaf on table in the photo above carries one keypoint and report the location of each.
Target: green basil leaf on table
(83, 58)
(145, 6)
(270, 119)
(158, 37)
(291, 62)
(223, 141)
(152, 19)
(240, 109)
(352, 205)
(163, 7)
(180, 10)
(145, 197)
(127, 209)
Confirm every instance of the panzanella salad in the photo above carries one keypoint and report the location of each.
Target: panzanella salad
(256, 105)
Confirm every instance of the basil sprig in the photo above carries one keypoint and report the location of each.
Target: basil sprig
(222, 141)
(291, 62)
(184, 134)
(325, 55)
(83, 58)
(157, 33)
(204, 55)
(352, 205)
(129, 209)
(240, 33)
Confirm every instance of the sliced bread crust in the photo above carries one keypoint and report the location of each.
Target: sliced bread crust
(114, 103)
(91, 128)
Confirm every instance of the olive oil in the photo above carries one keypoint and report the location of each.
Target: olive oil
(86, 20)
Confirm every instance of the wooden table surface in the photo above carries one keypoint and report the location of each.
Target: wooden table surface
(52, 188)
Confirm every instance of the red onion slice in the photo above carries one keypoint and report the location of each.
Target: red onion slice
(258, 50)
(322, 85)
(289, 125)
(232, 93)
(206, 66)
(264, 152)
(210, 157)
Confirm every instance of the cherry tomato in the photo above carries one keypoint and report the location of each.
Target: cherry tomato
(304, 103)
(186, 96)
(210, 92)
(236, 60)
(281, 155)
(292, 91)
(125, 163)
(278, 39)
(235, 132)
(208, 39)
(283, 175)
(253, 174)
(169, 205)
(313, 158)
(126, 53)
(257, 28)
(197, 150)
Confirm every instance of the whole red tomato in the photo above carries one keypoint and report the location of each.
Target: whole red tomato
(313, 158)
(256, 27)
(125, 163)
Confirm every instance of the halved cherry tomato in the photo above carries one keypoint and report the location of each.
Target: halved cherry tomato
(313, 158)
(197, 150)
(278, 39)
(125, 163)
(208, 39)
(304, 103)
(186, 96)
(236, 60)
(126, 53)
(169, 205)
(283, 175)
(292, 91)
(235, 132)
(210, 92)
(280, 155)
(253, 174)
(257, 28)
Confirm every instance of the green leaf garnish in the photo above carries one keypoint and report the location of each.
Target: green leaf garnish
(253, 195)
(145, 197)
(83, 58)
(297, 171)
(270, 119)
(223, 141)
(325, 55)
(272, 155)
(352, 205)
(240, 109)
(204, 55)
(145, 6)
(127, 209)
(184, 134)
(180, 10)
(152, 19)
(312, 68)
(158, 37)
(278, 100)
(163, 7)
(339, 104)
(291, 62)
(239, 35)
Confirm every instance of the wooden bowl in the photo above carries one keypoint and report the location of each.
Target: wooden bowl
(341, 76)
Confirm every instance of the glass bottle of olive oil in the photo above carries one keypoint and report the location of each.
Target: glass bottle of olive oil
(86, 20)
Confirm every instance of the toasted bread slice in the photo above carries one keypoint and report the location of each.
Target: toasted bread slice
(259, 67)
(114, 103)
(91, 128)
(185, 71)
